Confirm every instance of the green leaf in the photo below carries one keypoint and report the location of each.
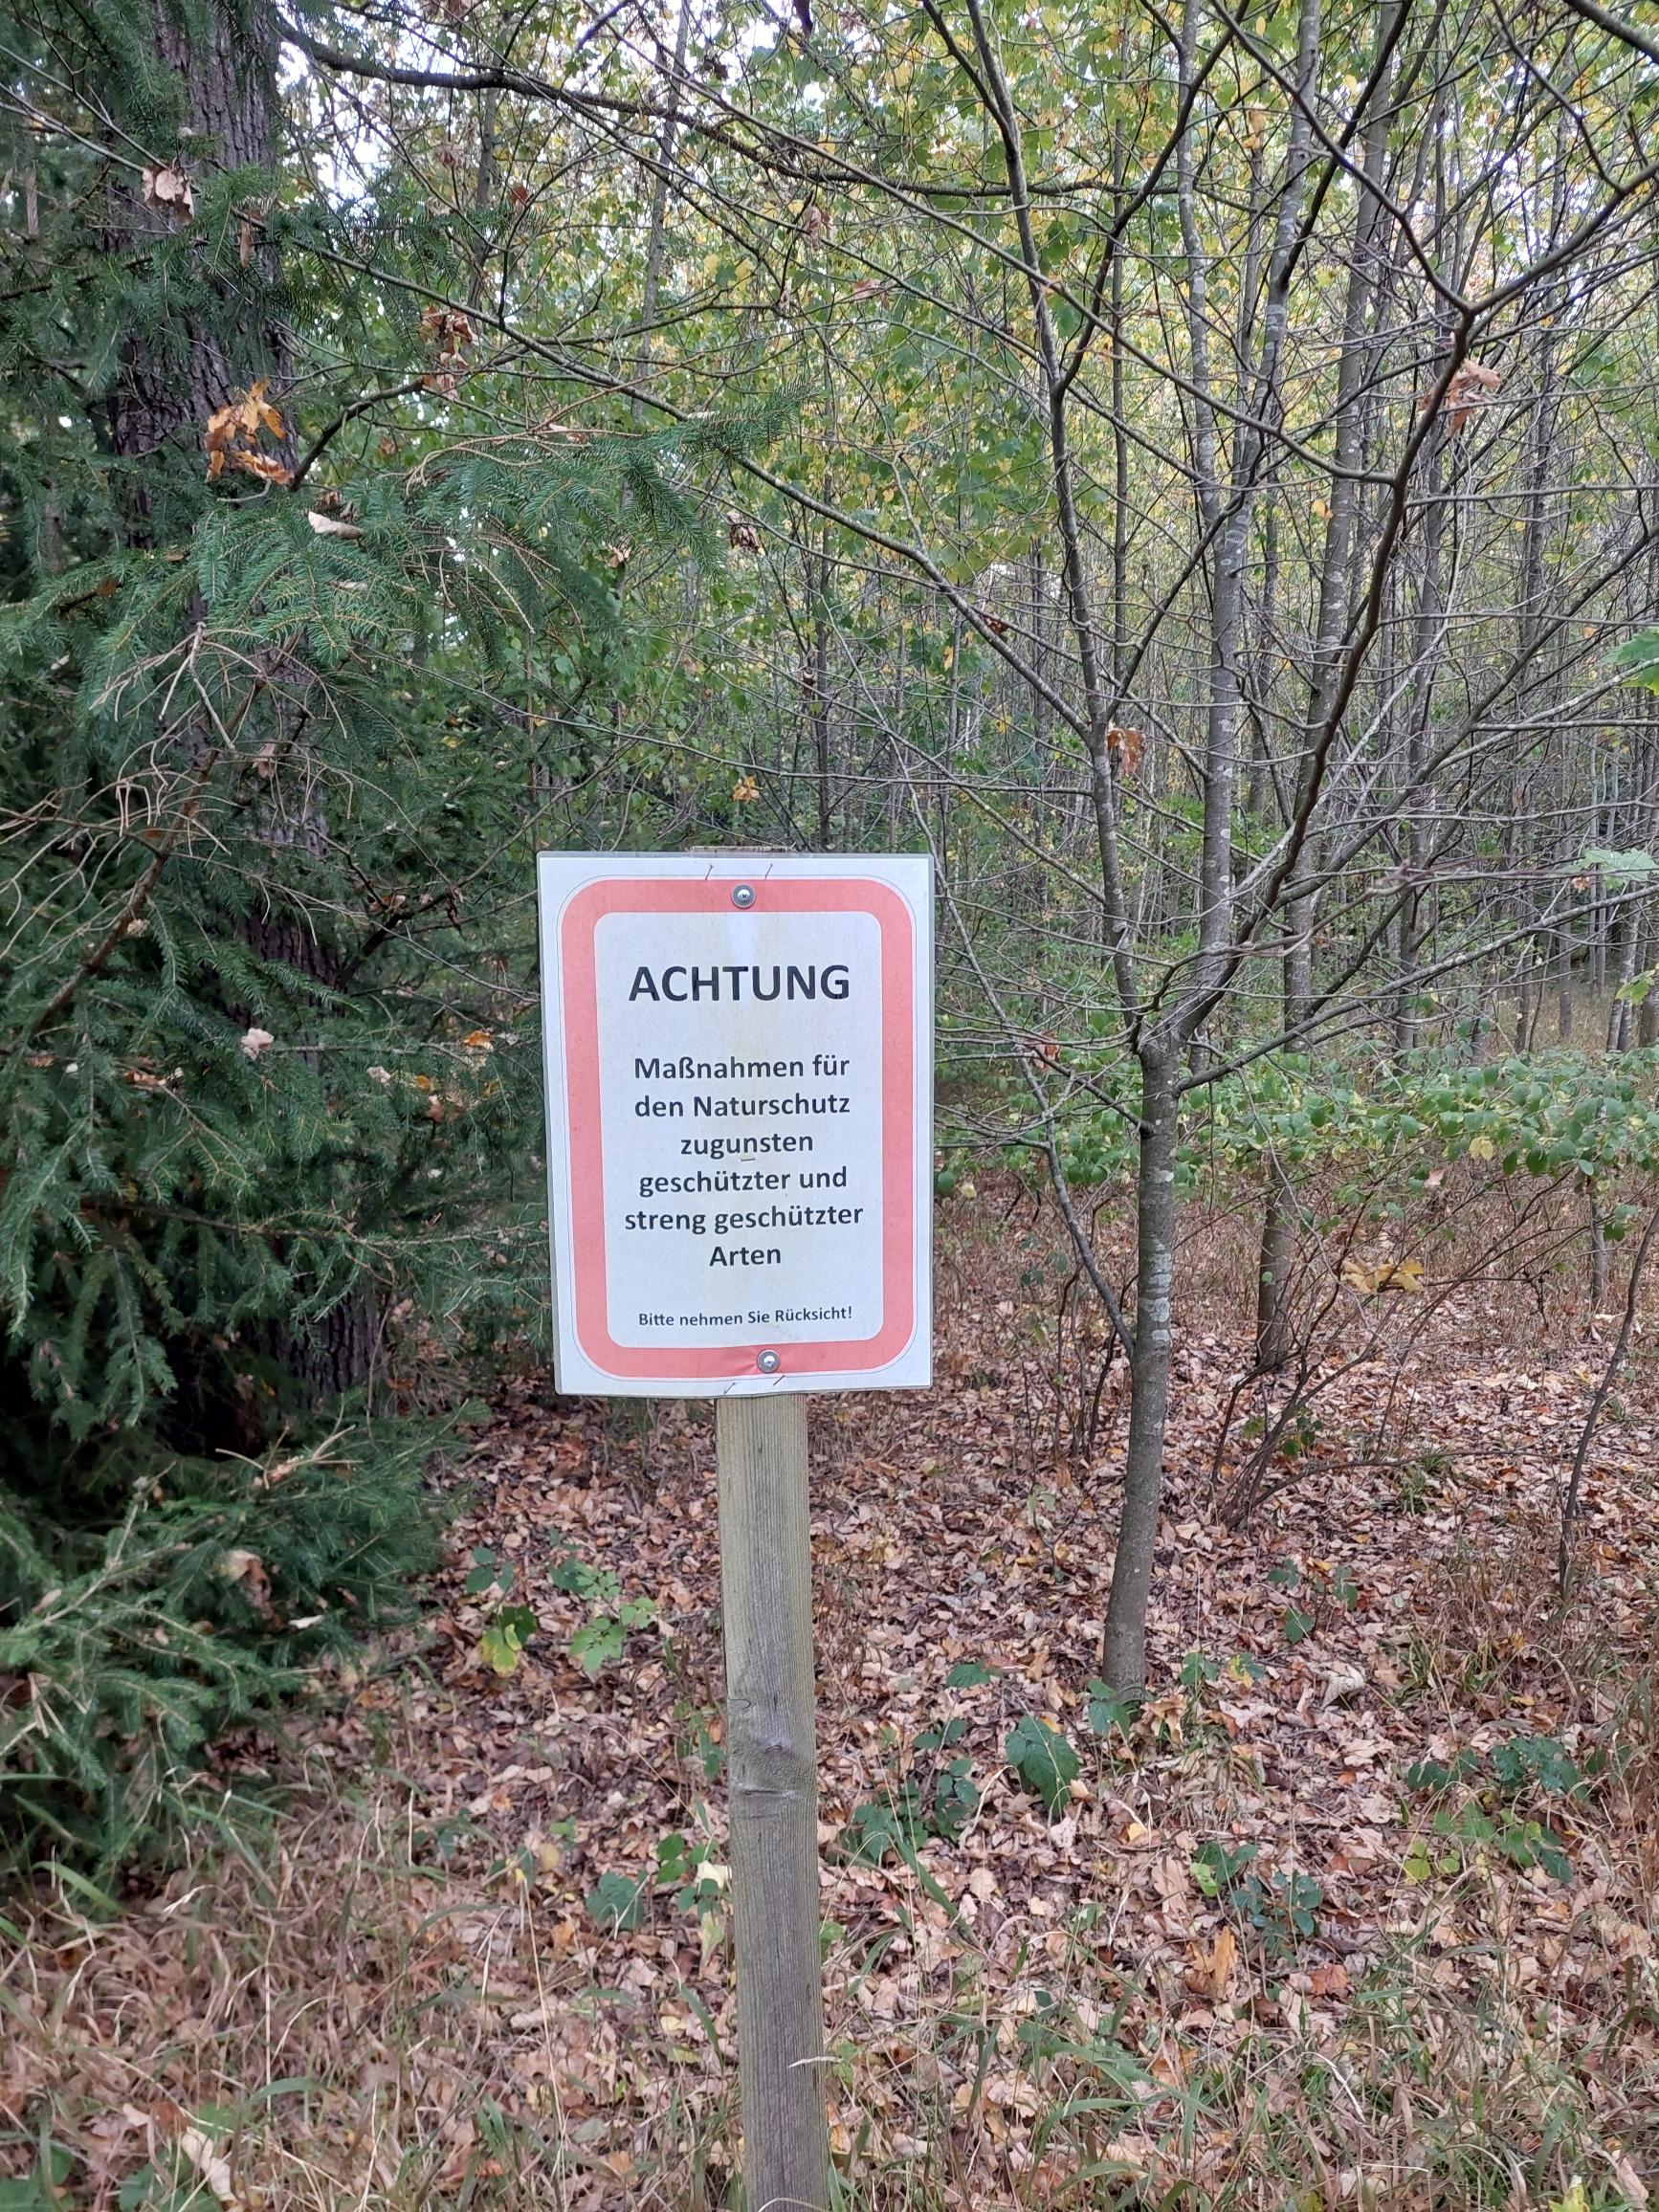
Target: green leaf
(30, 2193)
(1042, 1758)
(968, 1674)
(1296, 1625)
(953, 1801)
(1619, 869)
(1640, 655)
(1298, 1897)
(1217, 1865)
(673, 1857)
(947, 1733)
(615, 1903)
(1532, 1844)
(1107, 1711)
(488, 1573)
(1542, 1760)
(599, 1643)
(134, 2192)
(596, 1583)
(872, 1830)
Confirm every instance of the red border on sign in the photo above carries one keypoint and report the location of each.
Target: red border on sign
(578, 927)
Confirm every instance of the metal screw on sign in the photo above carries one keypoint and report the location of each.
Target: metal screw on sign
(742, 895)
(768, 1362)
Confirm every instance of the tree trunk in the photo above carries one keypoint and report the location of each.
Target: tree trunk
(1628, 937)
(1124, 1657)
(225, 59)
(1564, 988)
(1278, 1253)
(818, 699)
(170, 381)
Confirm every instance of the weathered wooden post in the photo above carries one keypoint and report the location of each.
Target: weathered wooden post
(740, 1153)
(772, 1772)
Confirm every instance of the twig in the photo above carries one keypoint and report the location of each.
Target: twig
(1570, 1504)
(137, 900)
(348, 415)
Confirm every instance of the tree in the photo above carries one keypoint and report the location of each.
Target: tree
(292, 671)
(1136, 242)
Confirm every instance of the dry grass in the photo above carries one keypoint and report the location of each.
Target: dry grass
(369, 2015)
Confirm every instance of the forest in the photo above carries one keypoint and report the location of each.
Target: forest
(1188, 472)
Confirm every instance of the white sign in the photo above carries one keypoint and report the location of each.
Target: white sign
(739, 1124)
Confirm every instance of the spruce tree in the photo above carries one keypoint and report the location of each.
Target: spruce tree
(283, 686)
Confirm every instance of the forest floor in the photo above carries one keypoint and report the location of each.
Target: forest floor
(1357, 1910)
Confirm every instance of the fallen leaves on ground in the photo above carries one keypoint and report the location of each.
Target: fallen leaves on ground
(1237, 1876)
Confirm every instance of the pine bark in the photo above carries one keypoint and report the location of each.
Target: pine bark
(173, 377)
(169, 385)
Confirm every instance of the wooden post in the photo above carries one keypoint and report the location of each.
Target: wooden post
(772, 1768)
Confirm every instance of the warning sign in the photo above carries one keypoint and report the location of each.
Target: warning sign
(740, 1078)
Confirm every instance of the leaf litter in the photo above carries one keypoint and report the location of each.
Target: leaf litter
(1387, 1823)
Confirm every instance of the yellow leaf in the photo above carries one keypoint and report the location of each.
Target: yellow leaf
(1211, 1973)
(204, 2154)
(1369, 1277)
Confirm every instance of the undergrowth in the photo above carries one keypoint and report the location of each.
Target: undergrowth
(385, 2013)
